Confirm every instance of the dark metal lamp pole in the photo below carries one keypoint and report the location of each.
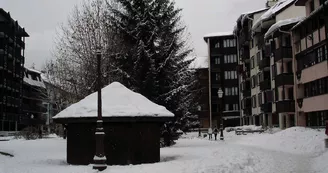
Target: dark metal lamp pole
(220, 95)
(99, 158)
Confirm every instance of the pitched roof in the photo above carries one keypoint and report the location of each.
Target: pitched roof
(118, 101)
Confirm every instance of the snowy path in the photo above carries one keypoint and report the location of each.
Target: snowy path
(187, 156)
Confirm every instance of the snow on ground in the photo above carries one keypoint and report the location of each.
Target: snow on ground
(237, 154)
(296, 140)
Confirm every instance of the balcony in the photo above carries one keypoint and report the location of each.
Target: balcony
(244, 37)
(247, 111)
(265, 62)
(246, 75)
(247, 102)
(244, 53)
(265, 85)
(285, 106)
(247, 93)
(283, 53)
(284, 79)
(266, 107)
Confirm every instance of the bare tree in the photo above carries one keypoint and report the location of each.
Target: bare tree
(74, 69)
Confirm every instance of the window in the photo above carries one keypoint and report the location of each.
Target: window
(311, 6)
(317, 87)
(235, 107)
(319, 54)
(253, 81)
(227, 107)
(225, 43)
(274, 71)
(252, 62)
(216, 60)
(229, 43)
(254, 101)
(230, 74)
(260, 98)
(217, 76)
(258, 58)
(217, 45)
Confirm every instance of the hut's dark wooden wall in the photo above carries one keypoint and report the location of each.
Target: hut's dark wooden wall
(125, 143)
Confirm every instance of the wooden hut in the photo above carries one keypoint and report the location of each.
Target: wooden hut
(131, 124)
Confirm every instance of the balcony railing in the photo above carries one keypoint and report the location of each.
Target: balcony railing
(266, 107)
(285, 106)
(265, 62)
(283, 53)
(265, 85)
(284, 79)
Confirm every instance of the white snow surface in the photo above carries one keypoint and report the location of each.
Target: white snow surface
(218, 34)
(237, 154)
(32, 70)
(295, 140)
(199, 63)
(190, 155)
(117, 101)
(272, 11)
(281, 23)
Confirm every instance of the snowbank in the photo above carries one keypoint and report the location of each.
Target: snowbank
(296, 140)
(320, 164)
(117, 101)
(250, 127)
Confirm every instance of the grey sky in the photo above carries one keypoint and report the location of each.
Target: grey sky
(41, 18)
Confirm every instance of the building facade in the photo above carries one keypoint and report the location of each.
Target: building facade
(266, 66)
(200, 64)
(34, 98)
(222, 72)
(310, 64)
(12, 46)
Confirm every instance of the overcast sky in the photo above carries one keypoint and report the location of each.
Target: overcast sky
(41, 19)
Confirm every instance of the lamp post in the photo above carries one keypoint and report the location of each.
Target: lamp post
(220, 95)
(99, 158)
(199, 108)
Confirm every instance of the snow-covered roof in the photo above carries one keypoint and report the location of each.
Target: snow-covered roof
(272, 12)
(117, 101)
(310, 16)
(218, 34)
(30, 81)
(199, 63)
(34, 82)
(281, 23)
(32, 70)
(246, 14)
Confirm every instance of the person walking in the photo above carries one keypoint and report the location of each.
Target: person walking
(215, 131)
(210, 131)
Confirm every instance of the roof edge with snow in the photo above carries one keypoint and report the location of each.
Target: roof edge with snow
(280, 24)
(218, 34)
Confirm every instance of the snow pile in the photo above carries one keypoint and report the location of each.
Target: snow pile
(249, 127)
(281, 23)
(118, 101)
(272, 12)
(320, 164)
(218, 34)
(297, 140)
(199, 63)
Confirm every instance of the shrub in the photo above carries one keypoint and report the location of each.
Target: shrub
(28, 133)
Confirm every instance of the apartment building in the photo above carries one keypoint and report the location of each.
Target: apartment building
(200, 65)
(310, 64)
(222, 59)
(270, 64)
(12, 46)
(34, 97)
(245, 44)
